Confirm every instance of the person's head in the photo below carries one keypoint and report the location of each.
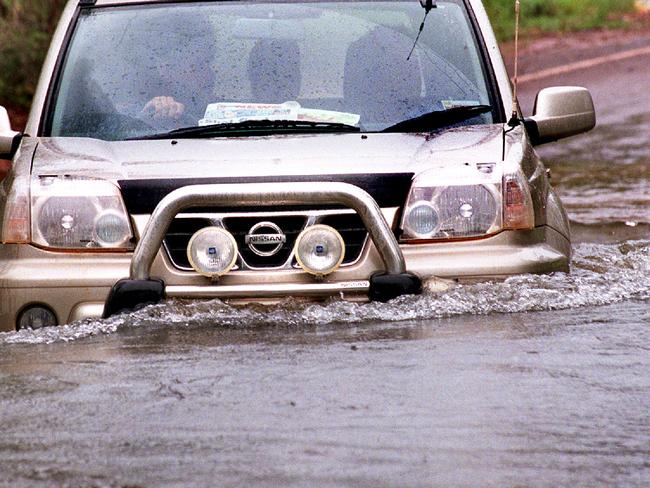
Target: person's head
(274, 70)
(174, 55)
(380, 79)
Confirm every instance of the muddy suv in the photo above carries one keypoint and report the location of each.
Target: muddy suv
(262, 149)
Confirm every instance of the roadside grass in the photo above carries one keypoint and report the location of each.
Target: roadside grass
(544, 16)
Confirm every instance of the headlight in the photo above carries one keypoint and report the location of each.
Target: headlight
(448, 206)
(422, 219)
(467, 211)
(77, 213)
(468, 202)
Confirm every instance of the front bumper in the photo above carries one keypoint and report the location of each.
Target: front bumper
(389, 280)
(76, 286)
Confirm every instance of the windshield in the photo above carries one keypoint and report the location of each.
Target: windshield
(138, 70)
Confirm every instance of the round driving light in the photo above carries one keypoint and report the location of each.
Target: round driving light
(111, 229)
(320, 250)
(212, 251)
(423, 219)
(36, 317)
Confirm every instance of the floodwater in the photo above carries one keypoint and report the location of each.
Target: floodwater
(535, 381)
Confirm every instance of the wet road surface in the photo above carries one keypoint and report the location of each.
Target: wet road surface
(501, 400)
(538, 381)
(603, 177)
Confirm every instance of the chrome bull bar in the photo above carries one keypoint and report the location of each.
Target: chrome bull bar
(141, 289)
(266, 194)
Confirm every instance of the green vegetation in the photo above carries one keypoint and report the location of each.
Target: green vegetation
(26, 27)
(25, 30)
(539, 16)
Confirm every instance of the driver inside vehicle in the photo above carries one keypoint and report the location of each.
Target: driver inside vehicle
(163, 80)
(179, 83)
(176, 78)
(273, 72)
(143, 73)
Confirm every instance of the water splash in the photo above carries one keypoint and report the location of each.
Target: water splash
(601, 275)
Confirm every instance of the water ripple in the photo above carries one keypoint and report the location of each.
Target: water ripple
(601, 275)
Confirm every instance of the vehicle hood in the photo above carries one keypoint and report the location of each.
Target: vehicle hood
(264, 156)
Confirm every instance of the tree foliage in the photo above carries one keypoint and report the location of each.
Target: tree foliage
(25, 30)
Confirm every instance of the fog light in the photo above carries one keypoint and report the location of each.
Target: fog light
(36, 317)
(320, 250)
(212, 251)
(423, 220)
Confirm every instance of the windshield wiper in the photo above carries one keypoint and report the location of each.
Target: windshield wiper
(254, 127)
(438, 119)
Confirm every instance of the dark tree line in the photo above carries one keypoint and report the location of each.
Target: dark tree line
(25, 30)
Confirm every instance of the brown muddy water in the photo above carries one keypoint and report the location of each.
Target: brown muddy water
(536, 381)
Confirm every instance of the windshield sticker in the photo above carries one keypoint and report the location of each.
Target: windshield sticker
(229, 113)
(329, 116)
(448, 104)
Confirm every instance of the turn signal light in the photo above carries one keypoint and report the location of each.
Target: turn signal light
(518, 210)
(17, 222)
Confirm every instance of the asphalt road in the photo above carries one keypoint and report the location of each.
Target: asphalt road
(603, 176)
(620, 86)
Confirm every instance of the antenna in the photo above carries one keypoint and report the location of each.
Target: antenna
(427, 5)
(514, 119)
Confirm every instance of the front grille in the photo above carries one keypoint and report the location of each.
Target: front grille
(182, 228)
(353, 232)
(178, 237)
(239, 227)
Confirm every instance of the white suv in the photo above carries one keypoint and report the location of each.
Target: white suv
(254, 150)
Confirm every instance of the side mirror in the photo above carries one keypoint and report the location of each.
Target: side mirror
(9, 139)
(561, 111)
